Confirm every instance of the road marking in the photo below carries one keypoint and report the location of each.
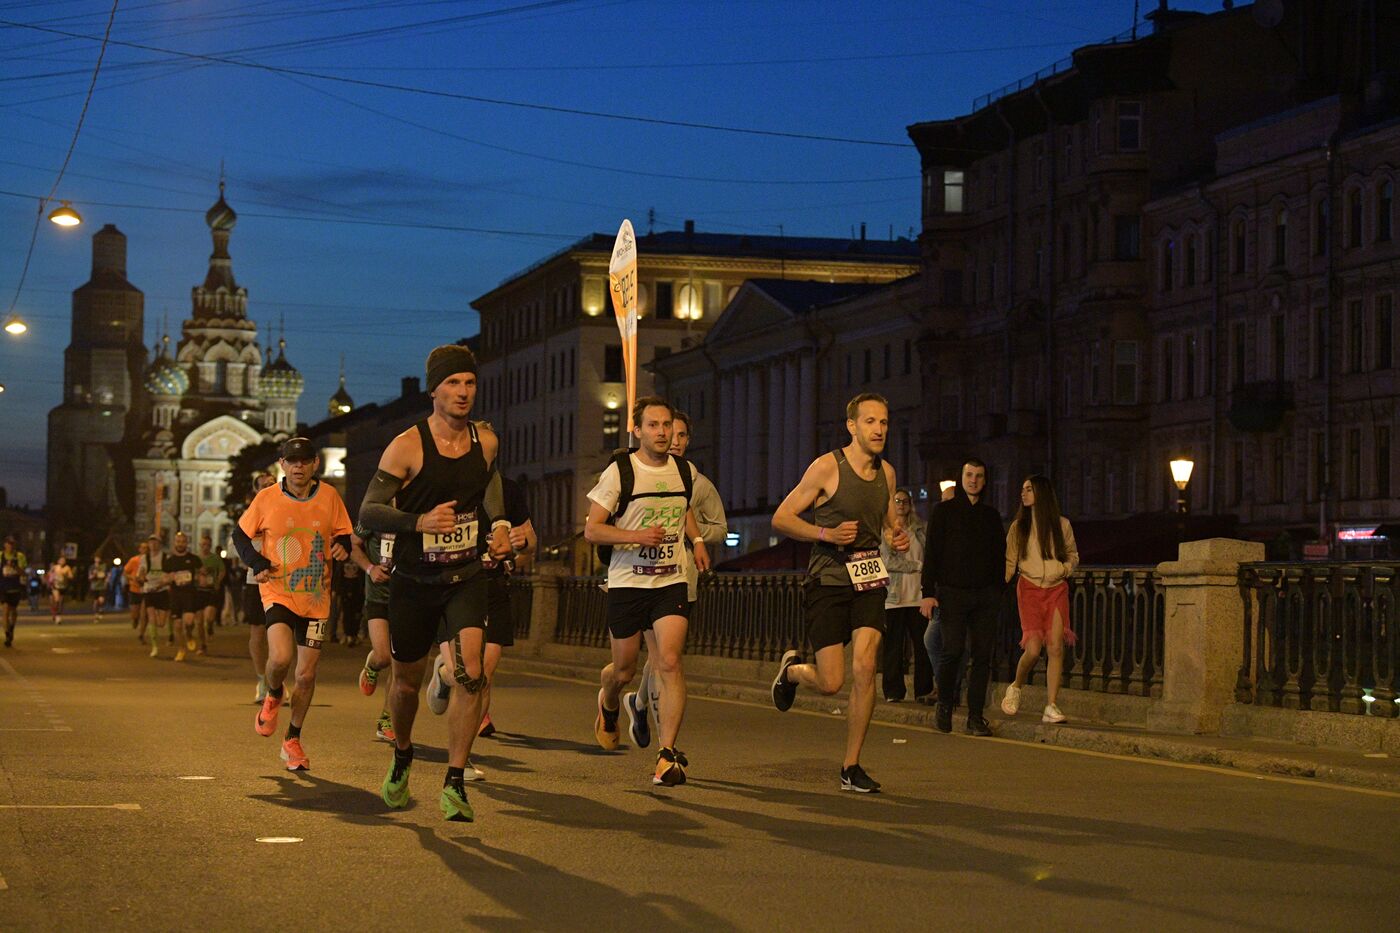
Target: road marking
(56, 723)
(196, 777)
(278, 840)
(1133, 759)
(70, 806)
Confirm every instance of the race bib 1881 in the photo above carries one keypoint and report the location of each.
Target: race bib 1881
(454, 546)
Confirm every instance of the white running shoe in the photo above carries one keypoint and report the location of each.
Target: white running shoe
(1052, 714)
(1012, 701)
(438, 691)
(473, 773)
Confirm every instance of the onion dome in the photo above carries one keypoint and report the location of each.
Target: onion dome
(341, 403)
(280, 381)
(220, 216)
(164, 376)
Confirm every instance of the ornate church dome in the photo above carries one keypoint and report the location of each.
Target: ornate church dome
(280, 381)
(220, 216)
(341, 403)
(164, 376)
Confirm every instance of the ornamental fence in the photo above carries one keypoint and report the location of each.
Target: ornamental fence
(1321, 636)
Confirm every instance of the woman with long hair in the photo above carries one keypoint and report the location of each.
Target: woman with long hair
(1040, 547)
(904, 627)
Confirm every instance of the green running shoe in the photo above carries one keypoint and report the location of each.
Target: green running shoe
(394, 790)
(454, 804)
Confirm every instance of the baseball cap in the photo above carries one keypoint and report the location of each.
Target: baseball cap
(297, 448)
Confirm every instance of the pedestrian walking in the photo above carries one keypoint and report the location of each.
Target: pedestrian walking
(1040, 548)
(904, 626)
(850, 493)
(962, 577)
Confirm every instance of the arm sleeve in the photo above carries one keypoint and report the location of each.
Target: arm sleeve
(244, 545)
(376, 514)
(933, 552)
(709, 511)
(494, 500)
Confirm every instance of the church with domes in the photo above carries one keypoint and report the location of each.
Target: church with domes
(141, 443)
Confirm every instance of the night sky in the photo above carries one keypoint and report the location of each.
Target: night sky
(370, 217)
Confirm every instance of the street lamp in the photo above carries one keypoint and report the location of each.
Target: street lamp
(65, 216)
(1181, 475)
(14, 324)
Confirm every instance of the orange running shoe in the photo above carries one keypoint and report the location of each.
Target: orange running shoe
(266, 720)
(294, 756)
(605, 726)
(487, 728)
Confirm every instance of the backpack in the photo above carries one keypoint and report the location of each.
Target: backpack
(627, 479)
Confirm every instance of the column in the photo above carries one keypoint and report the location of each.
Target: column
(805, 417)
(793, 465)
(732, 446)
(755, 414)
(774, 437)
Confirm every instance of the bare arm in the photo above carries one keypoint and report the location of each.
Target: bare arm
(596, 530)
(787, 520)
(692, 531)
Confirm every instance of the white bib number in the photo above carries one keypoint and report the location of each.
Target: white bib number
(315, 632)
(181, 578)
(386, 550)
(657, 560)
(11, 570)
(453, 546)
(867, 570)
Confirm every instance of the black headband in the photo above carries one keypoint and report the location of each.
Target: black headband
(444, 361)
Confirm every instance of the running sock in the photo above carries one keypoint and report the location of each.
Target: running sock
(403, 756)
(275, 694)
(455, 776)
(293, 731)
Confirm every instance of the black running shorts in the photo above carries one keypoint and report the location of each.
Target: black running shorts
(835, 612)
(500, 622)
(10, 597)
(158, 600)
(134, 599)
(422, 615)
(632, 610)
(252, 605)
(377, 610)
(310, 633)
(185, 600)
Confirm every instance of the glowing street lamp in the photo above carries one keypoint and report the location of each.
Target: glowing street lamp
(14, 324)
(65, 216)
(1181, 475)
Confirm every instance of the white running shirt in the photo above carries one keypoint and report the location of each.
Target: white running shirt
(649, 567)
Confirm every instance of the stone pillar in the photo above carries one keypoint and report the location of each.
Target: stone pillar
(1204, 633)
(792, 428)
(544, 608)
(773, 437)
(732, 448)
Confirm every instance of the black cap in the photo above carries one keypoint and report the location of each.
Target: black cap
(297, 448)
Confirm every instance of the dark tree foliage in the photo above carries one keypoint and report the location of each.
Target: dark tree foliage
(243, 466)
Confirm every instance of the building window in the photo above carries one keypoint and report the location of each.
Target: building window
(1354, 218)
(1319, 466)
(1125, 372)
(1095, 372)
(688, 308)
(665, 301)
(1188, 359)
(1281, 236)
(1319, 342)
(1129, 126)
(1382, 463)
(1385, 203)
(1127, 237)
(1356, 337)
(612, 429)
(612, 363)
(1237, 244)
(1321, 220)
(1237, 475)
(952, 192)
(714, 302)
(1354, 463)
(1168, 258)
(1189, 266)
(1276, 471)
(1280, 347)
(1384, 332)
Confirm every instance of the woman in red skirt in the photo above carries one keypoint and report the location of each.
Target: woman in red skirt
(1040, 547)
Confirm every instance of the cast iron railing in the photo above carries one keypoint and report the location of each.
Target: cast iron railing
(522, 600)
(1321, 636)
(1118, 617)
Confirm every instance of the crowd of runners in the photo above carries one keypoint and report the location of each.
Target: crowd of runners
(428, 561)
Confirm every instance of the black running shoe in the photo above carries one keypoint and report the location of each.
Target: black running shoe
(977, 725)
(783, 692)
(854, 778)
(943, 718)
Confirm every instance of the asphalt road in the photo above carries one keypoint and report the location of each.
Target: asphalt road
(101, 827)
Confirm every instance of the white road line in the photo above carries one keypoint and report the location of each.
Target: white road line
(56, 723)
(70, 806)
(1043, 746)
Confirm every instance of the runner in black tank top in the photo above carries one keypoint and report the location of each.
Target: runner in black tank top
(448, 510)
(851, 490)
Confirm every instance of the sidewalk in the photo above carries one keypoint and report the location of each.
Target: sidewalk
(1374, 770)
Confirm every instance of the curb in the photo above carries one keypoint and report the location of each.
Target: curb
(1084, 738)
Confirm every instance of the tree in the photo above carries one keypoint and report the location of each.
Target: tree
(243, 466)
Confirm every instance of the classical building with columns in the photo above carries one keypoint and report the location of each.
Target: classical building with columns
(769, 383)
(551, 379)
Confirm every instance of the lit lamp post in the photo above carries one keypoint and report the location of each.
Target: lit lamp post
(1181, 475)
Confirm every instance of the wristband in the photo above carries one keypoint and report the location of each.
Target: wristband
(499, 522)
(698, 539)
(821, 534)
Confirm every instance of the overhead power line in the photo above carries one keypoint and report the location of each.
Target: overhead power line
(473, 98)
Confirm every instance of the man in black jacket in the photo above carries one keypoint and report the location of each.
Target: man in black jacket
(963, 577)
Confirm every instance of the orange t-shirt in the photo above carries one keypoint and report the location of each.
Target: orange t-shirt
(129, 572)
(296, 536)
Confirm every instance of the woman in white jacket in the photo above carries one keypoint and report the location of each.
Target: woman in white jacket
(1040, 546)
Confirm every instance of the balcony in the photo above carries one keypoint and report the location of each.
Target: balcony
(1259, 407)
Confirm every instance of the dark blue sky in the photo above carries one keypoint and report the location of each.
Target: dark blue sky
(311, 154)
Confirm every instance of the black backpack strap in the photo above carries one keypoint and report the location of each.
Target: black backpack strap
(687, 476)
(626, 480)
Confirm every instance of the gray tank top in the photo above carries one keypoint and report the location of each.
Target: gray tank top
(862, 500)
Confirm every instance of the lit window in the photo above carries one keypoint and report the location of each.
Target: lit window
(952, 192)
